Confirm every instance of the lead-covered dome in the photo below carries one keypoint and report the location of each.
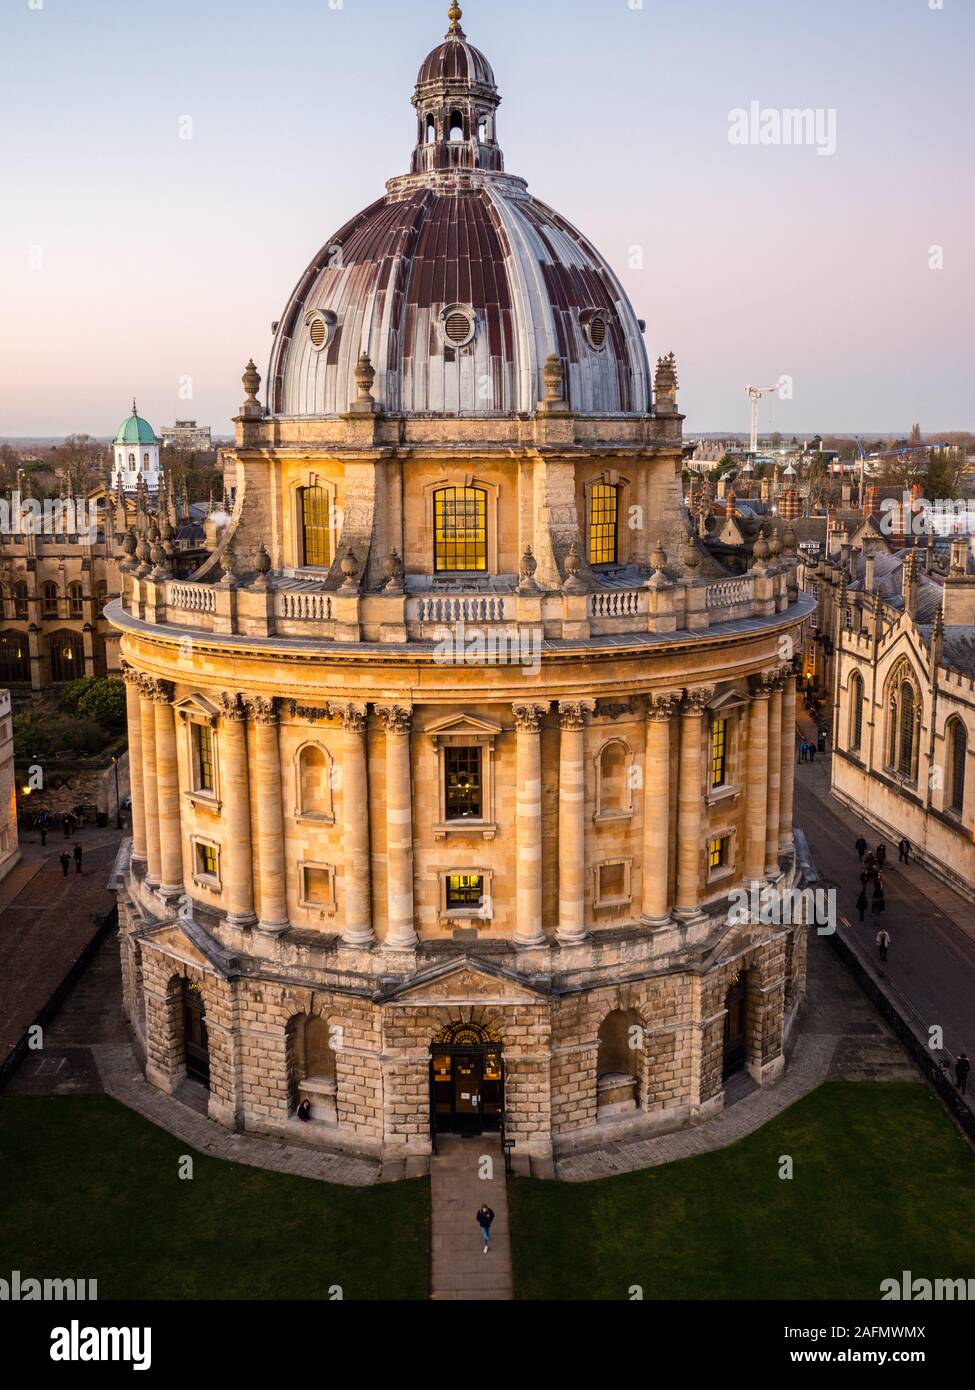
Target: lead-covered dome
(458, 284)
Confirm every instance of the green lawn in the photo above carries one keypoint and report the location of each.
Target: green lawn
(883, 1182)
(90, 1190)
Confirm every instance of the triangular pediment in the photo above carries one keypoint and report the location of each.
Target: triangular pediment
(190, 943)
(198, 706)
(464, 981)
(727, 698)
(464, 726)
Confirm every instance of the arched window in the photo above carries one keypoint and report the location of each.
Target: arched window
(76, 600)
(431, 130)
(101, 596)
(311, 1065)
(314, 778)
(621, 1046)
(21, 607)
(49, 599)
(957, 760)
(145, 462)
(316, 531)
(906, 720)
(604, 525)
(131, 463)
(856, 712)
(456, 126)
(613, 792)
(460, 530)
(482, 130)
(14, 658)
(66, 651)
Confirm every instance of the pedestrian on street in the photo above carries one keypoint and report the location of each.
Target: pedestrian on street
(484, 1218)
(861, 848)
(66, 823)
(65, 862)
(77, 858)
(904, 850)
(812, 752)
(879, 906)
(881, 856)
(862, 904)
(962, 1067)
(883, 943)
(803, 751)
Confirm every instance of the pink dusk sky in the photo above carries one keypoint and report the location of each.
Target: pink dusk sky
(135, 260)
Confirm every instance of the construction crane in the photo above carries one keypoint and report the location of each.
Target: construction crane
(755, 393)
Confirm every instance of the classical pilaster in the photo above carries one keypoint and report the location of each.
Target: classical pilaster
(167, 790)
(400, 926)
(774, 775)
(528, 722)
(238, 865)
(656, 810)
(690, 802)
(572, 820)
(270, 816)
(788, 764)
(756, 781)
(147, 719)
(357, 871)
(133, 709)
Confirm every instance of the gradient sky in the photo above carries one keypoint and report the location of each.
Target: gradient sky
(163, 258)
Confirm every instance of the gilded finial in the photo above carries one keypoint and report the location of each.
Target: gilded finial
(455, 14)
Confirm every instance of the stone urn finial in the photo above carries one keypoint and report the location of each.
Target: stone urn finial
(251, 409)
(775, 546)
(659, 557)
(365, 376)
(789, 540)
(229, 564)
(527, 572)
(394, 573)
(573, 564)
(350, 569)
(760, 550)
(554, 377)
(263, 566)
(691, 557)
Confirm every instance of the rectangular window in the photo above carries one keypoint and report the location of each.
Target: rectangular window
(719, 853)
(462, 772)
(604, 525)
(318, 887)
(203, 753)
(206, 860)
(612, 883)
(315, 528)
(465, 891)
(719, 752)
(460, 530)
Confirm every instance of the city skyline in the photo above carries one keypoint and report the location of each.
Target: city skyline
(134, 259)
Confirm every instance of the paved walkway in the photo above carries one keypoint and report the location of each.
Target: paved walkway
(464, 1174)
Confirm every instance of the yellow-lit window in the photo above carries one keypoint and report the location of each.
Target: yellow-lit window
(460, 530)
(316, 532)
(206, 860)
(465, 890)
(719, 752)
(203, 749)
(604, 525)
(462, 773)
(718, 850)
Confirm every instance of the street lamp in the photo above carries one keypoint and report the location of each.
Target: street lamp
(118, 804)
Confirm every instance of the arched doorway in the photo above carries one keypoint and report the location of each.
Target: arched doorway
(466, 1079)
(195, 1043)
(618, 1062)
(735, 1041)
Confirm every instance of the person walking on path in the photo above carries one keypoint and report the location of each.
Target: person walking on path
(812, 752)
(803, 751)
(66, 825)
(77, 858)
(862, 904)
(881, 856)
(879, 906)
(962, 1067)
(904, 851)
(484, 1218)
(883, 943)
(861, 848)
(65, 862)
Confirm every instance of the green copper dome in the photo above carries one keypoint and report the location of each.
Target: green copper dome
(135, 430)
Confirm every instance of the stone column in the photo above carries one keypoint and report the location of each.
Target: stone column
(133, 707)
(774, 777)
(656, 810)
(167, 791)
(357, 871)
(788, 771)
(756, 781)
(528, 847)
(238, 867)
(690, 802)
(400, 923)
(150, 793)
(572, 820)
(270, 817)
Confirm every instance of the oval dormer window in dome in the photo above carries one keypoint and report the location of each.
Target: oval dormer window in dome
(320, 324)
(459, 325)
(595, 327)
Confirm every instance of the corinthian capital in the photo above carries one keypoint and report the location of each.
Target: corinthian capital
(760, 684)
(352, 715)
(529, 716)
(232, 706)
(261, 709)
(574, 713)
(696, 701)
(662, 706)
(159, 692)
(130, 675)
(398, 719)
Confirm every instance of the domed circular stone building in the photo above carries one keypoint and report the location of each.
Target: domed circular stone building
(449, 764)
